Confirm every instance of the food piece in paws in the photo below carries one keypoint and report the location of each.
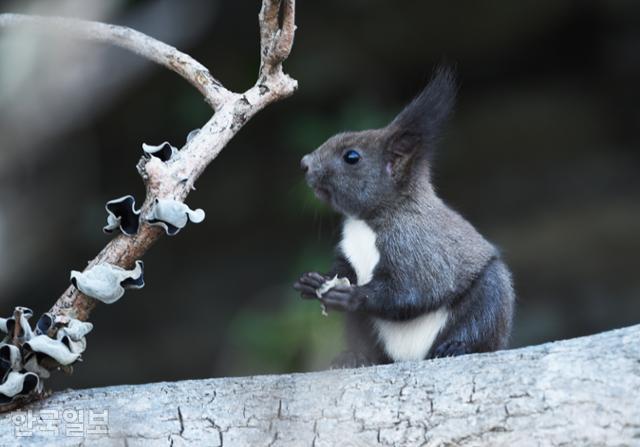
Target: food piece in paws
(328, 285)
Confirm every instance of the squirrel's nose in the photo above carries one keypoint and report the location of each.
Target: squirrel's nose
(304, 163)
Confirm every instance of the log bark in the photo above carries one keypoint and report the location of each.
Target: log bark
(584, 391)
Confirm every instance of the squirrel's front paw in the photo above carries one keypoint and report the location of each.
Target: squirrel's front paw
(334, 293)
(342, 296)
(309, 283)
(451, 348)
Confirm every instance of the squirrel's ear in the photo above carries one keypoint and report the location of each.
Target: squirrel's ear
(418, 126)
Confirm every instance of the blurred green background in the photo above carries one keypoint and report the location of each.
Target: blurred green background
(542, 156)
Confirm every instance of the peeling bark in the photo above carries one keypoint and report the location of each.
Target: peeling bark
(576, 392)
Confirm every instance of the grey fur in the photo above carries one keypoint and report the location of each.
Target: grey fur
(430, 256)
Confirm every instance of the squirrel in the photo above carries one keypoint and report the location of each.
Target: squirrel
(422, 282)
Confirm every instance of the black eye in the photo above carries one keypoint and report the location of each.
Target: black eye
(352, 157)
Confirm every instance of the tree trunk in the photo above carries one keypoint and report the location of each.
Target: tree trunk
(584, 391)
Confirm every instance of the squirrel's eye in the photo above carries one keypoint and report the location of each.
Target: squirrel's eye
(352, 157)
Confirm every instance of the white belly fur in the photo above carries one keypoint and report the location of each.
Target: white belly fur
(410, 340)
(402, 341)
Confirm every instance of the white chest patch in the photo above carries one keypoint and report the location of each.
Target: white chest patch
(410, 340)
(402, 340)
(359, 247)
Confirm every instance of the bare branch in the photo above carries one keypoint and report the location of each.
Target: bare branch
(176, 178)
(148, 47)
(276, 40)
(170, 179)
(72, 69)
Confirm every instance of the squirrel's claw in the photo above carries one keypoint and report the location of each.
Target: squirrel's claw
(305, 290)
(451, 348)
(338, 297)
(308, 283)
(342, 298)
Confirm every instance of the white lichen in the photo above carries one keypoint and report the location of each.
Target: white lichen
(33, 366)
(52, 348)
(11, 356)
(192, 134)
(164, 151)
(19, 383)
(106, 282)
(76, 329)
(123, 215)
(25, 314)
(43, 324)
(65, 349)
(75, 346)
(173, 215)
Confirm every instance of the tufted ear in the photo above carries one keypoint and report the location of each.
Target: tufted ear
(416, 130)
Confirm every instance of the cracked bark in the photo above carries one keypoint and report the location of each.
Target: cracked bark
(575, 392)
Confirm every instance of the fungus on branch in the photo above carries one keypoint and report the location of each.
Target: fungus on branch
(123, 215)
(172, 215)
(163, 151)
(233, 110)
(28, 355)
(106, 282)
(169, 174)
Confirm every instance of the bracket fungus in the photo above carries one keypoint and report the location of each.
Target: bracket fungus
(16, 385)
(57, 349)
(75, 329)
(10, 357)
(164, 151)
(173, 215)
(21, 331)
(28, 355)
(106, 282)
(45, 322)
(122, 214)
(192, 134)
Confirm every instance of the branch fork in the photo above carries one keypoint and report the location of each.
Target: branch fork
(168, 180)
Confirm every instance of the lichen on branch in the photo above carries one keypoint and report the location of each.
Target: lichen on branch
(168, 179)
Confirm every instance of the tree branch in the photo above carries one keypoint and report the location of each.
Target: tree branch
(575, 392)
(175, 178)
(58, 338)
(148, 47)
(71, 69)
(276, 42)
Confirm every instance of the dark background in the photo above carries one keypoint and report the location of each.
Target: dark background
(542, 156)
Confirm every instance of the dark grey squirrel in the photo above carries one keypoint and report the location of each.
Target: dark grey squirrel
(423, 283)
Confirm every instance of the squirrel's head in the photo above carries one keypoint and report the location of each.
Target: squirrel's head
(358, 173)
